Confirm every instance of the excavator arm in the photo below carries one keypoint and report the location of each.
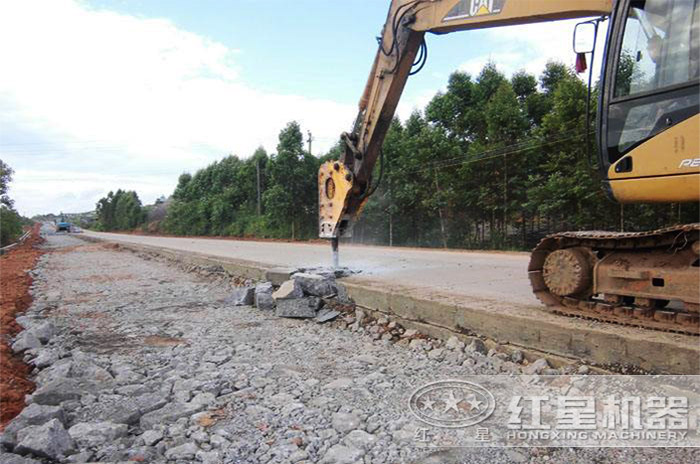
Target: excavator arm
(345, 185)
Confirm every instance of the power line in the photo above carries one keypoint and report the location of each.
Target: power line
(492, 154)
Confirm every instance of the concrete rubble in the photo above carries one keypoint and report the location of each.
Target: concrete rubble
(156, 366)
(294, 293)
(242, 296)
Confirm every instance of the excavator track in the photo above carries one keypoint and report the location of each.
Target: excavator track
(571, 291)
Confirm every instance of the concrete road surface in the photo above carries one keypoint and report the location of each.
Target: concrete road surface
(492, 276)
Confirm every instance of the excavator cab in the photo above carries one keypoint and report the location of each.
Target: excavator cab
(648, 126)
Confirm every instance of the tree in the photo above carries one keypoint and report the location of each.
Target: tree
(10, 220)
(120, 211)
(6, 173)
(10, 225)
(565, 189)
(554, 73)
(533, 103)
(291, 199)
(524, 85)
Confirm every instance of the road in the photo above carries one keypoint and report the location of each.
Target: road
(492, 276)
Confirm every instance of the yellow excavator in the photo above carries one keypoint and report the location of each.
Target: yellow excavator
(648, 138)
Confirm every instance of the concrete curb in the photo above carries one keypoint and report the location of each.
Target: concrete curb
(534, 328)
(530, 329)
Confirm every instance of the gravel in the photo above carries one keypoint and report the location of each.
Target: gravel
(144, 360)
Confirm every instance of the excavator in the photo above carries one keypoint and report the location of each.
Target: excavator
(647, 135)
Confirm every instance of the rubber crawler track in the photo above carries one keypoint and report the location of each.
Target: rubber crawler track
(672, 238)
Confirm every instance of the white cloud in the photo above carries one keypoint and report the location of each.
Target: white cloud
(71, 191)
(118, 101)
(408, 105)
(529, 47)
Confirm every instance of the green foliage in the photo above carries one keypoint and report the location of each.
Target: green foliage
(10, 226)
(5, 179)
(627, 71)
(497, 163)
(291, 201)
(10, 221)
(222, 199)
(120, 211)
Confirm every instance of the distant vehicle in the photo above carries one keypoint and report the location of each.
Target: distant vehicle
(63, 226)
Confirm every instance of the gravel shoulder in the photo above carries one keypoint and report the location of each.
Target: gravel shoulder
(136, 359)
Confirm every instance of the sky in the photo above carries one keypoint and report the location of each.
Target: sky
(97, 95)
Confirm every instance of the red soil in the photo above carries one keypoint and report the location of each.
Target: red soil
(15, 299)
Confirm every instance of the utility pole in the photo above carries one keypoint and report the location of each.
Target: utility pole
(257, 169)
(391, 208)
(310, 139)
(505, 198)
(442, 219)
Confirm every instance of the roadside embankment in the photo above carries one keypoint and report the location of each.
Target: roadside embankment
(15, 282)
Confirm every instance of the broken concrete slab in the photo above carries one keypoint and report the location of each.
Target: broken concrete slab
(279, 275)
(477, 346)
(326, 314)
(37, 414)
(119, 414)
(315, 284)
(9, 458)
(242, 296)
(299, 307)
(44, 332)
(184, 452)
(536, 367)
(263, 296)
(289, 289)
(25, 321)
(169, 413)
(89, 434)
(26, 341)
(57, 391)
(264, 301)
(34, 414)
(46, 358)
(50, 440)
(264, 287)
(342, 294)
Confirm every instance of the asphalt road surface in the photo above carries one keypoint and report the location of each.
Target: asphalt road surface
(493, 276)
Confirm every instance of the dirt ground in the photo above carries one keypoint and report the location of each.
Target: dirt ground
(14, 299)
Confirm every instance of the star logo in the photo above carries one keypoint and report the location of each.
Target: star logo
(451, 402)
(474, 403)
(427, 404)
